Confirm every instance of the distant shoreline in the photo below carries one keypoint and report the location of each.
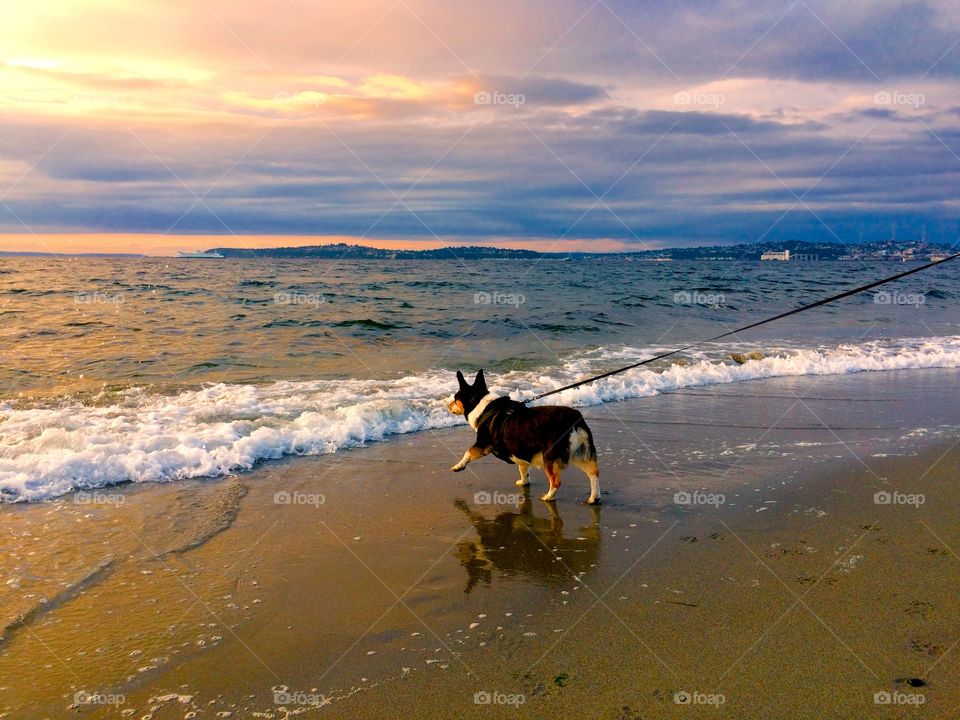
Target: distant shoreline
(800, 251)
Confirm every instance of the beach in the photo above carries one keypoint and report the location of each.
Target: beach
(281, 288)
(741, 564)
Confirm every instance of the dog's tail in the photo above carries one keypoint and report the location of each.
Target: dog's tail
(581, 442)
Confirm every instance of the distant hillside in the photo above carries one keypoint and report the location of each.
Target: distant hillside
(362, 252)
(799, 249)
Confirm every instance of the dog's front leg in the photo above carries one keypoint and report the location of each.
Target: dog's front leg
(472, 453)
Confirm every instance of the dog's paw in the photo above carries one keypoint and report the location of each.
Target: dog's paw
(458, 468)
(547, 498)
(595, 501)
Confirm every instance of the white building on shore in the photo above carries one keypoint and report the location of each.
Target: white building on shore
(775, 255)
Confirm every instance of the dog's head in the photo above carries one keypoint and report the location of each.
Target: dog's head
(468, 396)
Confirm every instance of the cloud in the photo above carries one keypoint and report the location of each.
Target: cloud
(632, 123)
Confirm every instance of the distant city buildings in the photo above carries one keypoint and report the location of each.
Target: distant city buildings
(896, 251)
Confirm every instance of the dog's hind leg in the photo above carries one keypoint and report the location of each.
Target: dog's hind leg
(552, 471)
(583, 454)
(591, 470)
(524, 469)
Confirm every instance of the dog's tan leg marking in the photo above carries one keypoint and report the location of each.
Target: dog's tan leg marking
(591, 470)
(524, 469)
(472, 453)
(552, 472)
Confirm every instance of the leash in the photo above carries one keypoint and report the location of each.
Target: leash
(800, 309)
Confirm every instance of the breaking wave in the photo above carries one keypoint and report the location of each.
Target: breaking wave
(53, 448)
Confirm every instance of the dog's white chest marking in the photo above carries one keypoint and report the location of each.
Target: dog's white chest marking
(474, 417)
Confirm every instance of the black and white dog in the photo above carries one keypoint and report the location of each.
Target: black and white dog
(549, 437)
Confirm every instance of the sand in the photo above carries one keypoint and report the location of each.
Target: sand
(377, 584)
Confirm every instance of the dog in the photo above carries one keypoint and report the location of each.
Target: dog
(549, 437)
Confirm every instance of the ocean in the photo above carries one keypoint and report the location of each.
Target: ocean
(155, 369)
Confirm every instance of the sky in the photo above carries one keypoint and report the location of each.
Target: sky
(150, 126)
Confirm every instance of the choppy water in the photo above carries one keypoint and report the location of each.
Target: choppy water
(156, 369)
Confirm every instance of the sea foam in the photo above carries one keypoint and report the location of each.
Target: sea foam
(52, 449)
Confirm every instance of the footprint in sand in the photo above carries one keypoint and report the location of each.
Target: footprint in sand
(918, 607)
(927, 648)
(627, 714)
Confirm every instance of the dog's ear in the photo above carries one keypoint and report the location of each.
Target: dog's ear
(480, 382)
(462, 381)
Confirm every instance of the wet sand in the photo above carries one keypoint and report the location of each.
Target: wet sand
(375, 583)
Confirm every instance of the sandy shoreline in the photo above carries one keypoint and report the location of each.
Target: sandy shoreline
(382, 584)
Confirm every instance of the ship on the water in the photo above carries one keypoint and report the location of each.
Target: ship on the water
(199, 254)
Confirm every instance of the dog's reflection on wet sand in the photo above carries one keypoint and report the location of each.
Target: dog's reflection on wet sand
(522, 543)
